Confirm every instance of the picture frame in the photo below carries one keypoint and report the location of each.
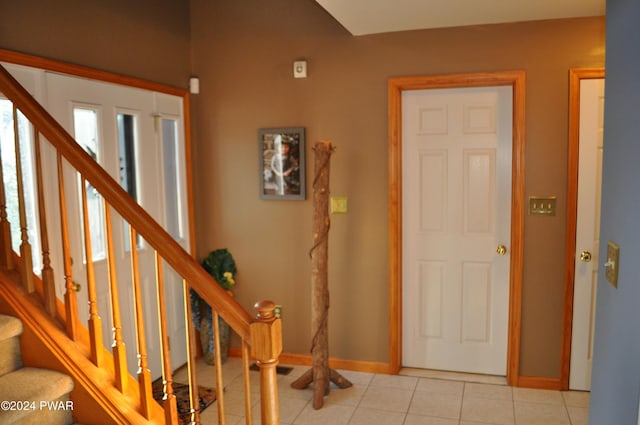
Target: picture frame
(281, 163)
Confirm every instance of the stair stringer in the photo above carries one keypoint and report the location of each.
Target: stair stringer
(45, 344)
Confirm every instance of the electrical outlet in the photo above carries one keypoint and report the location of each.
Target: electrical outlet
(613, 263)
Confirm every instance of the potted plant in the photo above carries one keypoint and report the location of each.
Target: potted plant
(222, 267)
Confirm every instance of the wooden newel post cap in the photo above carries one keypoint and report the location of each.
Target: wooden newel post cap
(266, 333)
(266, 310)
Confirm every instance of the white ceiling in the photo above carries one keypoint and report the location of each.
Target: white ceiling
(361, 17)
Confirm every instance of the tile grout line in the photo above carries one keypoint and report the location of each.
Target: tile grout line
(361, 398)
(513, 405)
(464, 389)
(413, 394)
(566, 408)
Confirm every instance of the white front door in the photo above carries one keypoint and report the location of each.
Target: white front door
(456, 191)
(136, 136)
(587, 230)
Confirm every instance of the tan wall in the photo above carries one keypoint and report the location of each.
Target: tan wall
(147, 39)
(243, 56)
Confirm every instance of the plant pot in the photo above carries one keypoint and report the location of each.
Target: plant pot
(202, 316)
(207, 340)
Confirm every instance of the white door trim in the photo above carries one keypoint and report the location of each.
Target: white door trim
(396, 86)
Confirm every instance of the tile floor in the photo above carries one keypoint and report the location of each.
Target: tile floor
(412, 398)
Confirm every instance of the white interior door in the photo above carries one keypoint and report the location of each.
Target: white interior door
(587, 230)
(136, 136)
(456, 207)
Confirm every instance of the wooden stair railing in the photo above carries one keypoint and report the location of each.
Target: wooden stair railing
(261, 336)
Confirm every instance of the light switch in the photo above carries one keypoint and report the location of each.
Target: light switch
(339, 205)
(542, 205)
(613, 263)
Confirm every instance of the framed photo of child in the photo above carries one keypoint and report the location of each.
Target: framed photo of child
(281, 163)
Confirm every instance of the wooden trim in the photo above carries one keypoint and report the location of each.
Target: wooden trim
(517, 229)
(396, 86)
(305, 360)
(395, 222)
(540, 383)
(86, 72)
(335, 363)
(575, 75)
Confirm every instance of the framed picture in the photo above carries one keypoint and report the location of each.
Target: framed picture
(281, 163)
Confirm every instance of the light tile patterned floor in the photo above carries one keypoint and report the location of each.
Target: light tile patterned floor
(400, 400)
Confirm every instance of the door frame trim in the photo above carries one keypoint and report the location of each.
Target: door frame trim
(517, 80)
(575, 76)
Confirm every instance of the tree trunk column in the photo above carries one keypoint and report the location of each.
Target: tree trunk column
(320, 273)
(320, 373)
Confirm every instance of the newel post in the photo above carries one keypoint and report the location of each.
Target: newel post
(266, 346)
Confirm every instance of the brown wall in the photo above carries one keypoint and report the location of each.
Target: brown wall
(148, 39)
(243, 53)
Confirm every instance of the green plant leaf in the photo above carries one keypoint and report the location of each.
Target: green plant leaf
(219, 262)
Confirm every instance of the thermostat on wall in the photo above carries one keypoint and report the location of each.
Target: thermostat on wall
(300, 69)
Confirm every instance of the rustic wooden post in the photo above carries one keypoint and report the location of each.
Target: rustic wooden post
(320, 374)
(266, 346)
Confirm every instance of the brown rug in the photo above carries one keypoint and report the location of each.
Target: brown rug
(181, 391)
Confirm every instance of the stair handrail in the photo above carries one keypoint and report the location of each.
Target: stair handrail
(156, 236)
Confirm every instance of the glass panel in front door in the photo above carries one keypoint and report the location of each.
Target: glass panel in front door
(86, 131)
(127, 133)
(171, 178)
(8, 157)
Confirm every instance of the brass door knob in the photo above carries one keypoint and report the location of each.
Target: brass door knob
(76, 286)
(585, 256)
(501, 250)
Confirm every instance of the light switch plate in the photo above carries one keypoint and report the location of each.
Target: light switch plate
(613, 263)
(542, 205)
(339, 205)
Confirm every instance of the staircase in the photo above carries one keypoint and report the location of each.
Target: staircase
(29, 395)
(101, 388)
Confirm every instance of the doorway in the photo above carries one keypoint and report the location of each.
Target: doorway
(124, 130)
(586, 115)
(456, 228)
(397, 86)
(137, 134)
